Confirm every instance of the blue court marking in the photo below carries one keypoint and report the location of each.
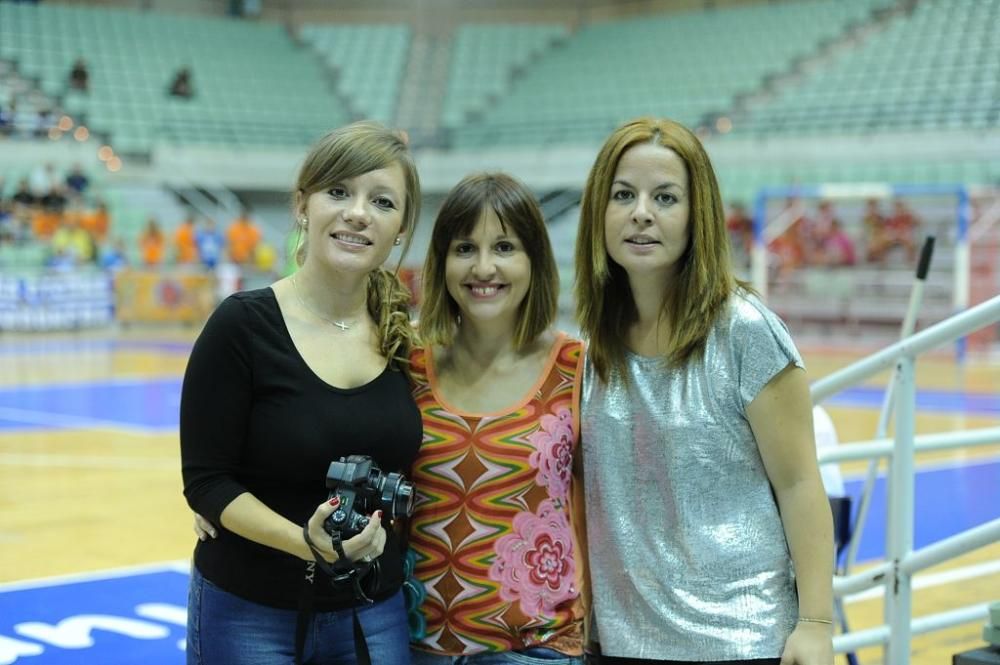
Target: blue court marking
(152, 404)
(47, 347)
(947, 501)
(136, 621)
(938, 401)
(147, 404)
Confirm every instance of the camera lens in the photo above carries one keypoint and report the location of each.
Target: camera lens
(397, 496)
(404, 499)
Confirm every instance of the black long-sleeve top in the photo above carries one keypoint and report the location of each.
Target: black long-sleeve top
(255, 418)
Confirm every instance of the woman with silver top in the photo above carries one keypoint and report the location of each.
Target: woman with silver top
(709, 533)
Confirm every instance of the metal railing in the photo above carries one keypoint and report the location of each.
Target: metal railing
(902, 561)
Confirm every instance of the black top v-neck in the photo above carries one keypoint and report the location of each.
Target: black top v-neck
(256, 418)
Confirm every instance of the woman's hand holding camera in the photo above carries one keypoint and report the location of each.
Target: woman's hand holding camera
(366, 546)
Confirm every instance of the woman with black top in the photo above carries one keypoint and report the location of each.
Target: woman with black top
(282, 381)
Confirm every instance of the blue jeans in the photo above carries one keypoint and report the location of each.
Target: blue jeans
(529, 656)
(224, 629)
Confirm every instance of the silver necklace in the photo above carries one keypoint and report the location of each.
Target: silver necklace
(344, 326)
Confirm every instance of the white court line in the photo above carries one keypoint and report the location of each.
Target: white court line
(934, 579)
(91, 461)
(179, 566)
(62, 421)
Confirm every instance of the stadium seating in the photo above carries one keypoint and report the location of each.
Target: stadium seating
(252, 84)
(368, 61)
(485, 59)
(936, 68)
(684, 65)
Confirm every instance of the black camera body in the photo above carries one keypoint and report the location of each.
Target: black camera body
(363, 488)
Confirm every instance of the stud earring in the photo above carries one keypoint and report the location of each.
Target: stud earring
(303, 222)
(397, 242)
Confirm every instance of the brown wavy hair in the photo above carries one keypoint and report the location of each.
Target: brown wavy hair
(519, 212)
(605, 308)
(348, 152)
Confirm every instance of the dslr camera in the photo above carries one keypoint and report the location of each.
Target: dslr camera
(363, 488)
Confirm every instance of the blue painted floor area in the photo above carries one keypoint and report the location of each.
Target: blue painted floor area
(116, 621)
(148, 404)
(930, 401)
(55, 346)
(947, 501)
(154, 403)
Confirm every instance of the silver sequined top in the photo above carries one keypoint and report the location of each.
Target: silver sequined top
(687, 551)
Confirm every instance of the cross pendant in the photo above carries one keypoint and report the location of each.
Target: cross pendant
(341, 325)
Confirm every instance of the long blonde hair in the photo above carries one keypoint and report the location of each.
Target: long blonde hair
(348, 152)
(605, 307)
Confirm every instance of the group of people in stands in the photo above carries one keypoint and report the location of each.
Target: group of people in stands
(180, 83)
(194, 244)
(52, 207)
(821, 240)
(56, 210)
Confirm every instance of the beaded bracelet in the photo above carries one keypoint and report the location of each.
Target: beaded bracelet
(828, 622)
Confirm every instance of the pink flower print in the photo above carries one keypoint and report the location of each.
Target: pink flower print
(534, 564)
(553, 456)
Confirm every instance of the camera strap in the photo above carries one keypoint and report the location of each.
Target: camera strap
(340, 571)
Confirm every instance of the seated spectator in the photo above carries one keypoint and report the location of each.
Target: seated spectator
(873, 223)
(79, 76)
(113, 256)
(45, 222)
(56, 199)
(6, 120)
(181, 85)
(837, 247)
(900, 228)
(242, 238)
(60, 261)
(740, 226)
(23, 196)
(96, 221)
(76, 180)
(185, 242)
(152, 245)
(42, 179)
(788, 249)
(8, 232)
(73, 242)
(43, 123)
(210, 243)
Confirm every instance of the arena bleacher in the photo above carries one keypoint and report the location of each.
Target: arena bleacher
(806, 92)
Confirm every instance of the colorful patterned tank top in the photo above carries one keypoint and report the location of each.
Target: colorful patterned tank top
(495, 539)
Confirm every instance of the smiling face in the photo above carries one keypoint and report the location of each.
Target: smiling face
(646, 227)
(352, 225)
(487, 272)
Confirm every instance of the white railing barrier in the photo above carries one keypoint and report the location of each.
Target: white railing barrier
(896, 574)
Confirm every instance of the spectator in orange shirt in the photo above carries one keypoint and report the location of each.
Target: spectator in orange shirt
(152, 244)
(242, 238)
(184, 240)
(96, 221)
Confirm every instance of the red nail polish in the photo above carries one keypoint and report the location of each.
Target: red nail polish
(335, 501)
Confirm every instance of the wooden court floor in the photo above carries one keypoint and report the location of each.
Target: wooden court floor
(81, 491)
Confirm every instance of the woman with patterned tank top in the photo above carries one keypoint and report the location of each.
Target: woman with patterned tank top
(713, 541)
(495, 539)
